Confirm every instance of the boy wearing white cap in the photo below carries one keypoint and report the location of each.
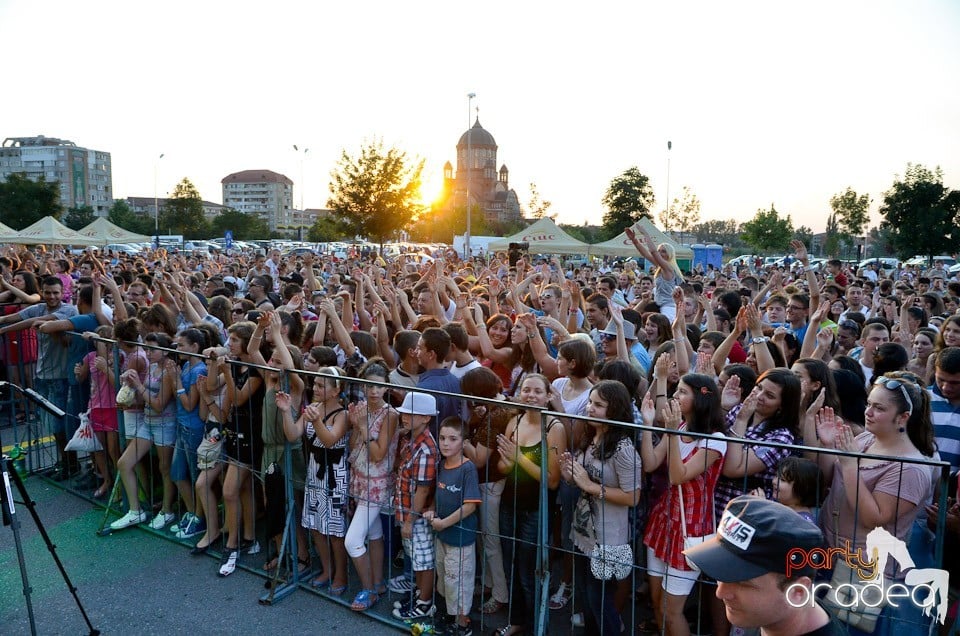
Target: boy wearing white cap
(416, 477)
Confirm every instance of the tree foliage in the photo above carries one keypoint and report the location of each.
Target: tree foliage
(377, 192)
(79, 217)
(767, 231)
(585, 233)
(726, 233)
(122, 216)
(183, 212)
(441, 223)
(629, 198)
(831, 246)
(852, 212)
(920, 213)
(326, 229)
(537, 206)
(804, 235)
(683, 213)
(245, 227)
(24, 202)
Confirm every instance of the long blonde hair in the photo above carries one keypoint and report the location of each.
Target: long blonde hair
(672, 254)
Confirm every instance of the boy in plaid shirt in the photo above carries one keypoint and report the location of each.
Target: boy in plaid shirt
(416, 476)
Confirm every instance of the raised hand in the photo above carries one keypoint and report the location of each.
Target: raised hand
(828, 427)
(800, 251)
(672, 415)
(648, 409)
(662, 369)
(749, 404)
(730, 396)
(705, 364)
(753, 318)
(284, 401)
(817, 403)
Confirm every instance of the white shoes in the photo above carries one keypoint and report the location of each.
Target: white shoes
(132, 518)
(162, 520)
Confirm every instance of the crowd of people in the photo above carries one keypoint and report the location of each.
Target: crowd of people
(411, 399)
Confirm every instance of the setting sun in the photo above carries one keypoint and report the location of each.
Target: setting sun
(430, 188)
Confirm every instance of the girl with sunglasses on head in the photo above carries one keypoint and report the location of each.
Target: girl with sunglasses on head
(867, 493)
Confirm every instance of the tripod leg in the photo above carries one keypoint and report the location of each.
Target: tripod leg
(10, 514)
(32, 508)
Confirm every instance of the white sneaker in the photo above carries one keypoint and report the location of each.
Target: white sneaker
(561, 597)
(132, 518)
(162, 520)
(229, 563)
(576, 620)
(180, 525)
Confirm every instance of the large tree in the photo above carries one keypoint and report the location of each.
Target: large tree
(628, 199)
(79, 217)
(122, 216)
(852, 212)
(183, 212)
(245, 227)
(24, 202)
(726, 233)
(683, 213)
(377, 192)
(326, 229)
(767, 231)
(920, 213)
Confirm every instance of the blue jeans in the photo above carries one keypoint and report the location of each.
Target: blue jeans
(600, 615)
(184, 465)
(56, 391)
(520, 535)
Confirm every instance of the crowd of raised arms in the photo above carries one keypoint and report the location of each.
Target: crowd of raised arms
(754, 363)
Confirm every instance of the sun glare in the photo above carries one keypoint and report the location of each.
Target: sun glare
(430, 189)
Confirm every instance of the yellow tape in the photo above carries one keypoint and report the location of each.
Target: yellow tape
(39, 441)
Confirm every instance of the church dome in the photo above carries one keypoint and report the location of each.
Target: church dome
(478, 137)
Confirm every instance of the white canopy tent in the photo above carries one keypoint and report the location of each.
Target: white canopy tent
(622, 246)
(49, 231)
(8, 234)
(104, 232)
(544, 237)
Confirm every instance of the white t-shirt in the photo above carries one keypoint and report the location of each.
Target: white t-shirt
(459, 372)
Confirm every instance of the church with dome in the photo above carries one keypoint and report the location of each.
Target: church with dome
(489, 188)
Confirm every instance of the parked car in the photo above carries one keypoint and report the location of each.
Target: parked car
(886, 264)
(126, 248)
(921, 261)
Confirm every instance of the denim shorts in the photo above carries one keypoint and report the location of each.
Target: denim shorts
(184, 464)
(161, 432)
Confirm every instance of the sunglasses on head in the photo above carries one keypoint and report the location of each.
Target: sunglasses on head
(893, 384)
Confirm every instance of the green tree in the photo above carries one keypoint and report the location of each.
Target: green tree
(537, 207)
(79, 217)
(122, 216)
(442, 223)
(183, 212)
(766, 231)
(726, 233)
(244, 226)
(804, 235)
(326, 229)
(377, 193)
(682, 214)
(920, 213)
(878, 243)
(628, 199)
(852, 212)
(24, 202)
(585, 233)
(831, 246)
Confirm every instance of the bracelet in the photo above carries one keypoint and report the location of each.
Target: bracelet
(181, 391)
(603, 492)
(679, 339)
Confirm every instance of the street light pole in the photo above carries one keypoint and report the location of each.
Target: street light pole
(669, 148)
(303, 156)
(466, 246)
(156, 202)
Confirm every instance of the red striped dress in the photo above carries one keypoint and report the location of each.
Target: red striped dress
(663, 534)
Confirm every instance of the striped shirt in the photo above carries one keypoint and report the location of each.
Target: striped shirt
(946, 427)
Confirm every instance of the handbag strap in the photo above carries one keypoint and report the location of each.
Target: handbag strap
(683, 515)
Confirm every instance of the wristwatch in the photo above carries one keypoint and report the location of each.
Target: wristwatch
(760, 340)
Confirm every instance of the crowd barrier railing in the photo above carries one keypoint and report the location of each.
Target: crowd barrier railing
(324, 494)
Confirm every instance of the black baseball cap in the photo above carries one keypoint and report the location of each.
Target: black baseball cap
(757, 536)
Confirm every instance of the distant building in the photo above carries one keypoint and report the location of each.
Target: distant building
(144, 206)
(262, 192)
(85, 176)
(489, 188)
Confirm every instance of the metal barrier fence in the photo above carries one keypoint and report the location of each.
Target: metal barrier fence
(264, 505)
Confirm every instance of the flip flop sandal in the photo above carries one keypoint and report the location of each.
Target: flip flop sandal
(364, 600)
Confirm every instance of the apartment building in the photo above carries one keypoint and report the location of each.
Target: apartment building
(263, 192)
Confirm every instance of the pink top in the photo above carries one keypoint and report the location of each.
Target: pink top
(102, 395)
(67, 286)
(373, 481)
(126, 363)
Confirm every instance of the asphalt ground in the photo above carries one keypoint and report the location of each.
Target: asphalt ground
(135, 582)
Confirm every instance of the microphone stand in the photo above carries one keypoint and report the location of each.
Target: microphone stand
(10, 519)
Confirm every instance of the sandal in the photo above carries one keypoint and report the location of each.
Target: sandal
(305, 565)
(319, 584)
(492, 606)
(380, 588)
(364, 600)
(337, 591)
(270, 565)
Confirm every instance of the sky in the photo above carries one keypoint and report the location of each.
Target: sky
(764, 102)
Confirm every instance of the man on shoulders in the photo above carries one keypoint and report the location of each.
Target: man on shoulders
(750, 559)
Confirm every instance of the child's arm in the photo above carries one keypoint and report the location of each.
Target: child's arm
(455, 517)
(420, 497)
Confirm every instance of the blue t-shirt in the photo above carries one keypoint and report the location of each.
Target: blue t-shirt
(79, 347)
(442, 380)
(192, 369)
(455, 487)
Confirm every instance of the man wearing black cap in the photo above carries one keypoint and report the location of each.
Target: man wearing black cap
(749, 559)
